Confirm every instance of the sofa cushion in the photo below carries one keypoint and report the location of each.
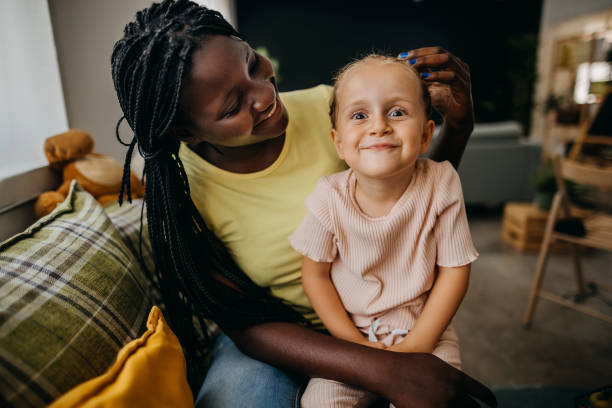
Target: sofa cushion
(149, 372)
(126, 218)
(496, 133)
(71, 295)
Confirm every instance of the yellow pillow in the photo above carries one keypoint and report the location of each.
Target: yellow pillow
(149, 372)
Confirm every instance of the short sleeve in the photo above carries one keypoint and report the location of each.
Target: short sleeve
(453, 238)
(314, 237)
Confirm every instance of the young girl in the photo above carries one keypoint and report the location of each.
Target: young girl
(209, 121)
(376, 233)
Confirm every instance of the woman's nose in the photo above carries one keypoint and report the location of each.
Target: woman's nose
(263, 95)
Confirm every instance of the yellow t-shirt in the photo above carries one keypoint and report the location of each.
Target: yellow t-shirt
(253, 214)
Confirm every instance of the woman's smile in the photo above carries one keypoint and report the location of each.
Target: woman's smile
(272, 113)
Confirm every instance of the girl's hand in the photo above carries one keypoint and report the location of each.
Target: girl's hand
(373, 344)
(410, 344)
(410, 347)
(449, 84)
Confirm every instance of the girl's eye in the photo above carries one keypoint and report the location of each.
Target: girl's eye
(396, 113)
(358, 116)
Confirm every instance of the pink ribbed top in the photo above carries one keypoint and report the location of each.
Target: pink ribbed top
(383, 267)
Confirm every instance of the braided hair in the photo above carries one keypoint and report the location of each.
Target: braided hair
(149, 67)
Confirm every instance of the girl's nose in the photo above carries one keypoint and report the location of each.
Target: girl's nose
(379, 126)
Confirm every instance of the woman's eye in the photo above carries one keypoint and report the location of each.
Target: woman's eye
(233, 110)
(396, 113)
(358, 116)
(254, 63)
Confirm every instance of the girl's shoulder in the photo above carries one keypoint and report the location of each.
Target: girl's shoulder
(439, 181)
(334, 183)
(438, 172)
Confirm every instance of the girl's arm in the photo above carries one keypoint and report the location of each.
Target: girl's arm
(326, 302)
(444, 299)
(450, 87)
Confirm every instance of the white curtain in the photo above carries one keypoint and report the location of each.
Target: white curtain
(31, 99)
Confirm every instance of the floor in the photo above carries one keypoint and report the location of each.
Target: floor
(563, 347)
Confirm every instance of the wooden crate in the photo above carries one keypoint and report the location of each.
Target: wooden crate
(523, 227)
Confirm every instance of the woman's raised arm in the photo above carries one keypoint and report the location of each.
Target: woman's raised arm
(449, 84)
(406, 379)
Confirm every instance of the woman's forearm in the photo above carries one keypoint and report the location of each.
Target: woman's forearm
(298, 349)
(450, 144)
(406, 379)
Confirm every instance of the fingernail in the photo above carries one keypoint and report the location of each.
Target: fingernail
(424, 74)
(404, 54)
(412, 61)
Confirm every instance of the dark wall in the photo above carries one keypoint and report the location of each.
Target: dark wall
(497, 38)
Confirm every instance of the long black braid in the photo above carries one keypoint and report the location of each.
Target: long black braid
(149, 66)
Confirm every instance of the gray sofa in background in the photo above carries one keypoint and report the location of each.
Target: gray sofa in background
(498, 165)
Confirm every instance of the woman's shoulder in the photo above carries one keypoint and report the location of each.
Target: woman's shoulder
(315, 95)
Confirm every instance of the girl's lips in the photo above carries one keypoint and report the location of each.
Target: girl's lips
(379, 146)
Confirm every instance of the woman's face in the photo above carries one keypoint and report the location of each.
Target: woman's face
(230, 96)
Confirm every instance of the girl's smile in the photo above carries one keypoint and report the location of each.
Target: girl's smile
(379, 147)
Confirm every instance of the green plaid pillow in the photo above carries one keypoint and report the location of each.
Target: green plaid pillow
(127, 221)
(126, 218)
(71, 295)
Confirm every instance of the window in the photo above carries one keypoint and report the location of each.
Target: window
(31, 98)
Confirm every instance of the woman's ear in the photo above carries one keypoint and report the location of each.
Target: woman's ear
(337, 142)
(428, 131)
(184, 134)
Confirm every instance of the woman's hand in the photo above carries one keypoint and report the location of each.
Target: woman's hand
(437, 384)
(448, 81)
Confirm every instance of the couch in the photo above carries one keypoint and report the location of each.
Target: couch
(498, 164)
(76, 299)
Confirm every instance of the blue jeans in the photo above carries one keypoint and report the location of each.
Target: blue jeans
(236, 380)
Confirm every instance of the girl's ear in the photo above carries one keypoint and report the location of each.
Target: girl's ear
(337, 143)
(428, 131)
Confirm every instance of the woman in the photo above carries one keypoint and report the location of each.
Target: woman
(183, 74)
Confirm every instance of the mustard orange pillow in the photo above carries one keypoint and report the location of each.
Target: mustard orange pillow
(149, 372)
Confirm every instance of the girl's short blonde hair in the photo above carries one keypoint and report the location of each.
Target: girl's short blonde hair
(333, 105)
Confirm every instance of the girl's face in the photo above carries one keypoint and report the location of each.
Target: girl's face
(230, 96)
(381, 127)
